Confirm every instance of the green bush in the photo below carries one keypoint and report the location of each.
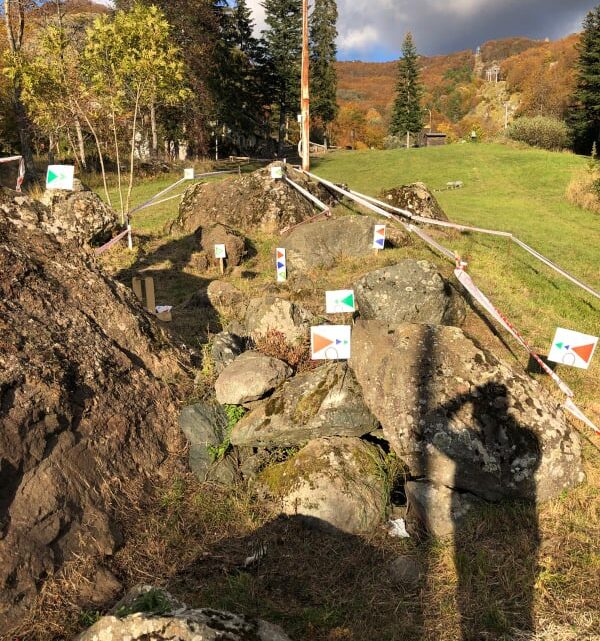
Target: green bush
(540, 131)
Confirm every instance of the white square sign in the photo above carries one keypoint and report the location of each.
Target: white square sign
(60, 177)
(330, 342)
(340, 302)
(277, 173)
(281, 263)
(573, 348)
(189, 173)
(220, 251)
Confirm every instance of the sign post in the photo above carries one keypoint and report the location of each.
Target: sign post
(281, 263)
(221, 255)
(330, 342)
(305, 91)
(60, 177)
(340, 302)
(379, 237)
(573, 348)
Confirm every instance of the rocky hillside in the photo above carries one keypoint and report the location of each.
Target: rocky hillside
(86, 414)
(539, 79)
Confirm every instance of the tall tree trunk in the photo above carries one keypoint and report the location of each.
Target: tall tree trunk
(154, 131)
(81, 144)
(24, 127)
(132, 155)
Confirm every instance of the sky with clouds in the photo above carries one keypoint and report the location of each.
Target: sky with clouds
(374, 29)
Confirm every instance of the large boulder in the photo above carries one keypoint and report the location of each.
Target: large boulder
(85, 406)
(227, 299)
(249, 202)
(79, 215)
(225, 348)
(323, 402)
(440, 509)
(204, 426)
(417, 199)
(151, 614)
(334, 483)
(460, 417)
(409, 292)
(272, 313)
(217, 234)
(250, 377)
(323, 243)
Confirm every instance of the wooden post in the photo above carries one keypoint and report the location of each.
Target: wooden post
(305, 90)
(150, 296)
(136, 285)
(222, 265)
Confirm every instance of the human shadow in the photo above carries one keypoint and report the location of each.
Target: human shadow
(473, 445)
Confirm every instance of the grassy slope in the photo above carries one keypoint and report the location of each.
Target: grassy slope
(516, 190)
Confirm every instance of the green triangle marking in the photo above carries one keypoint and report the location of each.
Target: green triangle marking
(560, 345)
(51, 176)
(349, 300)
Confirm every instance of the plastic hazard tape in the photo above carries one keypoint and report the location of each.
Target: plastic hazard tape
(110, 243)
(467, 282)
(491, 232)
(21, 175)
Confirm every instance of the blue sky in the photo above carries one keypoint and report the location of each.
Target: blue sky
(373, 29)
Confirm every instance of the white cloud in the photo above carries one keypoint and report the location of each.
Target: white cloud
(358, 39)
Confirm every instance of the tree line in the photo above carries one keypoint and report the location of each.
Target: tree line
(106, 87)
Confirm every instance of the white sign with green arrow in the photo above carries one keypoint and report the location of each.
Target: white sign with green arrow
(340, 302)
(60, 177)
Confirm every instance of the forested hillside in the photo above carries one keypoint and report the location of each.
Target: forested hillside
(536, 77)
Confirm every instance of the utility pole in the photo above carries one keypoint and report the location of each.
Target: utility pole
(305, 92)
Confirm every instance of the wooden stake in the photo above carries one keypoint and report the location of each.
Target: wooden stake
(222, 265)
(150, 296)
(136, 285)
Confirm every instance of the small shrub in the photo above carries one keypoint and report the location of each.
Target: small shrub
(540, 131)
(584, 191)
(152, 602)
(274, 344)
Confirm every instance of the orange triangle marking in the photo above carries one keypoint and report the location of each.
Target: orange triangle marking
(320, 343)
(381, 232)
(584, 352)
(280, 254)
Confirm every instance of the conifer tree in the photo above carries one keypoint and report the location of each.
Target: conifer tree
(585, 116)
(283, 44)
(323, 75)
(407, 115)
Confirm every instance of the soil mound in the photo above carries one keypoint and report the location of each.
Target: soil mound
(85, 412)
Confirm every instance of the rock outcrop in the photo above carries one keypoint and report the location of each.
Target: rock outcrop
(225, 348)
(249, 202)
(218, 234)
(417, 199)
(460, 417)
(84, 408)
(409, 292)
(334, 483)
(272, 313)
(79, 215)
(323, 402)
(250, 377)
(171, 620)
(323, 243)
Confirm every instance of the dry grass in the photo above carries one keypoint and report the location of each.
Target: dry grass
(581, 192)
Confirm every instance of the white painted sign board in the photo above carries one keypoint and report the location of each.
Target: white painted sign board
(573, 348)
(340, 302)
(60, 177)
(189, 173)
(220, 251)
(281, 262)
(277, 173)
(330, 342)
(379, 237)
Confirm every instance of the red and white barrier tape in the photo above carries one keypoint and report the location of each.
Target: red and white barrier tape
(441, 223)
(21, 175)
(110, 243)
(467, 282)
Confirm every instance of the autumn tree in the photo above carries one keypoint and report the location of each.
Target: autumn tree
(585, 116)
(283, 40)
(407, 115)
(15, 12)
(323, 75)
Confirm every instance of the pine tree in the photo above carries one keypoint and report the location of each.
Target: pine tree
(585, 115)
(323, 75)
(407, 115)
(283, 43)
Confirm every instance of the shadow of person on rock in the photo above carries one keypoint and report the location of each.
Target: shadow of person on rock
(478, 484)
